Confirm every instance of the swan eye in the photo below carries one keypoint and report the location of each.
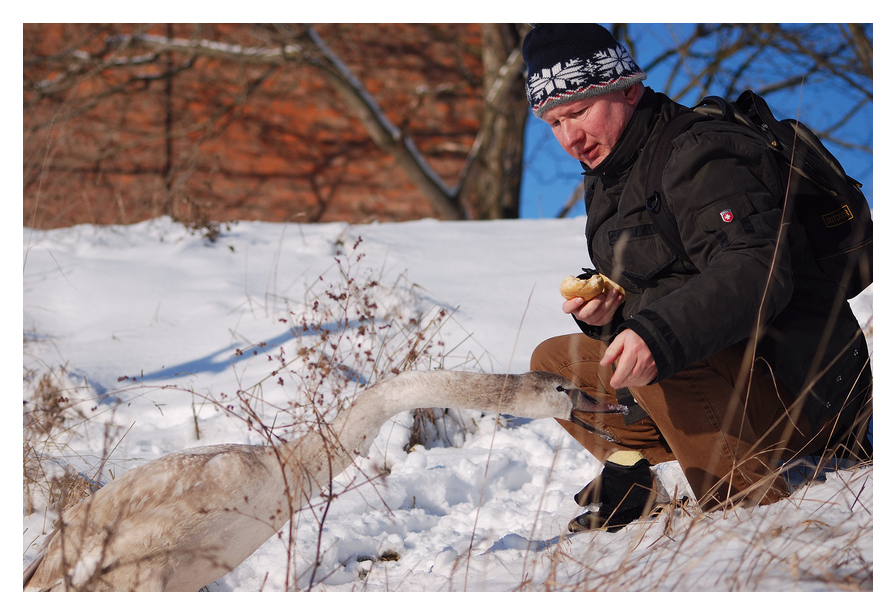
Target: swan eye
(561, 389)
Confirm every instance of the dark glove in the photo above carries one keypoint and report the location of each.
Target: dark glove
(587, 273)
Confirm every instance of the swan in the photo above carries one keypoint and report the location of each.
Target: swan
(186, 519)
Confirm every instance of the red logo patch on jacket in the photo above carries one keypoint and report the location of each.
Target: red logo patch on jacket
(727, 215)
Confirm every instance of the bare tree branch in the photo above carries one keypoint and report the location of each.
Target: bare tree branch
(384, 133)
(98, 69)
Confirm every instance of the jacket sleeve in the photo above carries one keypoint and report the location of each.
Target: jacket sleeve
(723, 187)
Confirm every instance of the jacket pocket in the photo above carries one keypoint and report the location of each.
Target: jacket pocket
(640, 253)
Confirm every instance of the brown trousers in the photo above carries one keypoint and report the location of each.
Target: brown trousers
(727, 425)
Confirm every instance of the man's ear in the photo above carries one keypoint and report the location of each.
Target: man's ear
(633, 93)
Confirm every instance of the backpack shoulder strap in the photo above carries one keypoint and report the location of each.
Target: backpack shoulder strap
(662, 217)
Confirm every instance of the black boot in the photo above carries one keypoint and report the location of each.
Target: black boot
(624, 492)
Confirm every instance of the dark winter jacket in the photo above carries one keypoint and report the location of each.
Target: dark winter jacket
(724, 189)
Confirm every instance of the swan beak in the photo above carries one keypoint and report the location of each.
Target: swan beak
(582, 402)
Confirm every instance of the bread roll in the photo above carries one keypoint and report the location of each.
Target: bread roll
(588, 289)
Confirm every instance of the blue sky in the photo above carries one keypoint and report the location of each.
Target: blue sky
(550, 176)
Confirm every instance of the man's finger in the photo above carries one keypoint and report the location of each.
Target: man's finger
(612, 353)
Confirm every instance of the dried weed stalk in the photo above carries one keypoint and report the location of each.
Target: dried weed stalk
(349, 334)
(51, 407)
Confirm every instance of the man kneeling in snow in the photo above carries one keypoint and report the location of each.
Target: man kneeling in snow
(680, 346)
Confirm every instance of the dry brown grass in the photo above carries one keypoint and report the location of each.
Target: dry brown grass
(49, 411)
(801, 543)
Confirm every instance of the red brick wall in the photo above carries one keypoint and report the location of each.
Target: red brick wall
(243, 142)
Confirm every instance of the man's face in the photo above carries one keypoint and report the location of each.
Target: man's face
(588, 129)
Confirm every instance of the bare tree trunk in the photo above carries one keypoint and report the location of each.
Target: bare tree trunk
(493, 190)
(169, 123)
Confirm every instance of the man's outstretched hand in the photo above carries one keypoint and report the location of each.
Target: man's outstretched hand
(634, 362)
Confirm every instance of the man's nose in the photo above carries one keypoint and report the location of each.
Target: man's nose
(570, 135)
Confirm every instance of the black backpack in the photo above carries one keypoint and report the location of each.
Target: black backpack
(826, 201)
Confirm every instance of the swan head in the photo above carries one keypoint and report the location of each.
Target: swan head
(548, 395)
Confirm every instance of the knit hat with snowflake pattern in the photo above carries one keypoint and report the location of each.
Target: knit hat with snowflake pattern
(572, 61)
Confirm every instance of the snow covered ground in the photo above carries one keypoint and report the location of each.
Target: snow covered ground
(160, 340)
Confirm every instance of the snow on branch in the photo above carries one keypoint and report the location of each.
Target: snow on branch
(215, 49)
